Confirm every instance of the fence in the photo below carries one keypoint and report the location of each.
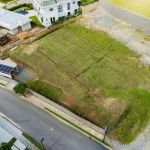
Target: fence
(136, 20)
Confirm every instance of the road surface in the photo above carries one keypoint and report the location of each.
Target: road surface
(39, 124)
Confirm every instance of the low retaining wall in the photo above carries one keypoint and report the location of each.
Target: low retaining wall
(89, 8)
(98, 129)
(136, 20)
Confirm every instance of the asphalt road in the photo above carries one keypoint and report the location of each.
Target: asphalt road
(40, 124)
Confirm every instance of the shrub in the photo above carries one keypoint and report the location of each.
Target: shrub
(49, 91)
(29, 5)
(36, 21)
(20, 88)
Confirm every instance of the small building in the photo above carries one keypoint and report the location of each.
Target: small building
(48, 11)
(7, 67)
(13, 22)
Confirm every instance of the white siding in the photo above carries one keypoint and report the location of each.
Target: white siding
(26, 27)
(46, 14)
(14, 31)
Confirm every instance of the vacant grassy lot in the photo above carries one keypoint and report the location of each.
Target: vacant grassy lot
(93, 75)
(138, 6)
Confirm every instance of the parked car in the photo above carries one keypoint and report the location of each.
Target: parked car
(23, 12)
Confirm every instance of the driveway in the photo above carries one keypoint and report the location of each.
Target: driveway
(40, 124)
(23, 74)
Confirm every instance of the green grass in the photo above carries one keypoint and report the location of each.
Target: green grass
(79, 128)
(36, 21)
(6, 1)
(140, 6)
(45, 89)
(95, 73)
(33, 141)
(11, 142)
(2, 84)
(86, 2)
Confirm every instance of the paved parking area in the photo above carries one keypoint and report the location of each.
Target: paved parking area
(23, 75)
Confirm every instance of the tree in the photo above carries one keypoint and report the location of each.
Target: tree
(20, 88)
(5, 146)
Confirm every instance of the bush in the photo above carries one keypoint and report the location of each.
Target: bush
(4, 146)
(20, 88)
(49, 91)
(29, 5)
(36, 21)
(86, 2)
(64, 18)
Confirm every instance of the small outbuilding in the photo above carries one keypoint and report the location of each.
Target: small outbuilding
(6, 68)
(14, 22)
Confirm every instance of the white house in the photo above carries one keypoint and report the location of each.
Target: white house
(14, 22)
(50, 10)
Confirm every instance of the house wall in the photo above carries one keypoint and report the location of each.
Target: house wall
(14, 31)
(136, 20)
(26, 27)
(46, 14)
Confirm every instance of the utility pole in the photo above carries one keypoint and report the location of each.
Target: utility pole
(42, 143)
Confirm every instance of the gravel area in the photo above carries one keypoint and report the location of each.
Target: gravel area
(136, 41)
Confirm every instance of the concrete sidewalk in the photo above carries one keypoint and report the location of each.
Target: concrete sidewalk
(6, 137)
(9, 130)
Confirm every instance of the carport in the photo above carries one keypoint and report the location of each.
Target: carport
(6, 68)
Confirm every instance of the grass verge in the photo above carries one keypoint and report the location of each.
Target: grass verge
(2, 84)
(36, 21)
(33, 141)
(79, 128)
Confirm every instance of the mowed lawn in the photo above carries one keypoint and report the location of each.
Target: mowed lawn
(99, 78)
(138, 6)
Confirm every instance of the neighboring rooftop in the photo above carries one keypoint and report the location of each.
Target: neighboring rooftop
(11, 20)
(7, 67)
(49, 2)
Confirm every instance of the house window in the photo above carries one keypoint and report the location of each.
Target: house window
(74, 2)
(51, 9)
(60, 8)
(51, 20)
(42, 19)
(68, 6)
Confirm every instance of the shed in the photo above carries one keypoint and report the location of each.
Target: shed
(14, 22)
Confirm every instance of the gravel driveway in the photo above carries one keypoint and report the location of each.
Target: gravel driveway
(136, 41)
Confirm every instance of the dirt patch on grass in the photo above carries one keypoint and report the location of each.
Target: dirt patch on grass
(30, 49)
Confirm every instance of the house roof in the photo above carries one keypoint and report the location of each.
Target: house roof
(7, 67)
(12, 20)
(49, 2)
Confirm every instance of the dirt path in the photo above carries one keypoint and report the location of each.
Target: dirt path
(136, 41)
